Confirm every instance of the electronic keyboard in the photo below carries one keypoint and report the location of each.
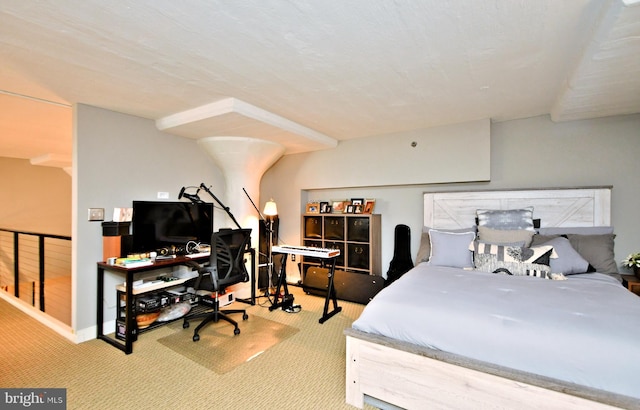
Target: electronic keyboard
(306, 251)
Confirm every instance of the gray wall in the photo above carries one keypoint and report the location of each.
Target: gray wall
(118, 159)
(528, 153)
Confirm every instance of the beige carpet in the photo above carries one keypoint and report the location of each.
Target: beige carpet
(219, 349)
(305, 371)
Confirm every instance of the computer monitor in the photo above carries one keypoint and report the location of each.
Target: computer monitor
(163, 224)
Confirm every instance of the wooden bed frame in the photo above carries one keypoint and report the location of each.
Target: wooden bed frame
(388, 373)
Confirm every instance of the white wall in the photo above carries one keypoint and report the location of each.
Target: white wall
(35, 198)
(528, 153)
(120, 158)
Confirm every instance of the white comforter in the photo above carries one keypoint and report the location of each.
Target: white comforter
(585, 330)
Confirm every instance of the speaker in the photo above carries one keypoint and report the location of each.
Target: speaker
(116, 246)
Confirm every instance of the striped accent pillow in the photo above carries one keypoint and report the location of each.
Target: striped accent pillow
(513, 260)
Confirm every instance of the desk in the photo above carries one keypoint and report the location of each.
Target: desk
(130, 275)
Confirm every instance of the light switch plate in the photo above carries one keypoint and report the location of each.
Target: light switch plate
(96, 214)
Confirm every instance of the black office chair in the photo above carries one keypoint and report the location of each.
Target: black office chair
(226, 267)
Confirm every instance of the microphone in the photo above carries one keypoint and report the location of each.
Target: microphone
(191, 197)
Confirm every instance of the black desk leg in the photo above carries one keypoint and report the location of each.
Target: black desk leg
(99, 300)
(331, 295)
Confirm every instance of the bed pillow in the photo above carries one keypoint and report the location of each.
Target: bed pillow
(539, 239)
(506, 219)
(425, 243)
(576, 230)
(512, 260)
(569, 261)
(486, 234)
(451, 249)
(597, 250)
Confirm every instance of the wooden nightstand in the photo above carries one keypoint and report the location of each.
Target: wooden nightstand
(632, 283)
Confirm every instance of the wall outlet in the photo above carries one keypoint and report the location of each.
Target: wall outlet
(96, 214)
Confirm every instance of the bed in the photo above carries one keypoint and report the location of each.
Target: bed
(464, 337)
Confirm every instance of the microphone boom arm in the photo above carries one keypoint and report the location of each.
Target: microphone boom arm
(226, 208)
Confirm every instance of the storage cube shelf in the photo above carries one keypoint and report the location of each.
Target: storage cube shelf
(357, 236)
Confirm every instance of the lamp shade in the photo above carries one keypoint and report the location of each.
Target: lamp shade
(270, 208)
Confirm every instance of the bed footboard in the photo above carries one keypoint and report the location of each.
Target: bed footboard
(407, 377)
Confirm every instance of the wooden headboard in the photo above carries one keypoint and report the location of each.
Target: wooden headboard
(561, 207)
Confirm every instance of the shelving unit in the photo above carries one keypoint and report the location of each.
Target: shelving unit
(358, 268)
(357, 236)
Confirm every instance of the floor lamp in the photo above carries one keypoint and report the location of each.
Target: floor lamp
(270, 212)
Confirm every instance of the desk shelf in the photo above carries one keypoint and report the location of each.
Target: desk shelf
(155, 286)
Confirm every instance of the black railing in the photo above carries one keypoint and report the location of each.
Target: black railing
(28, 258)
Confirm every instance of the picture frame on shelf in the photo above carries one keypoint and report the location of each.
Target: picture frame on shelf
(369, 205)
(313, 207)
(349, 209)
(338, 206)
(325, 207)
(357, 201)
(358, 209)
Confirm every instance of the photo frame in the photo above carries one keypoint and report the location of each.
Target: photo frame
(369, 205)
(338, 206)
(325, 208)
(357, 201)
(349, 209)
(358, 209)
(313, 207)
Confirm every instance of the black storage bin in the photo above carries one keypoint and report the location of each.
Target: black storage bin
(358, 256)
(337, 245)
(312, 227)
(358, 229)
(334, 228)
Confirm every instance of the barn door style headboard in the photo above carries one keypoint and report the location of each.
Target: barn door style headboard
(555, 207)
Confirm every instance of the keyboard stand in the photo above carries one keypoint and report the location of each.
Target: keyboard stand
(331, 295)
(287, 298)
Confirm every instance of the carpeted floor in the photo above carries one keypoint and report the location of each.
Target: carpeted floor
(219, 349)
(303, 371)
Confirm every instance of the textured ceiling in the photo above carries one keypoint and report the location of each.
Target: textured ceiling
(312, 72)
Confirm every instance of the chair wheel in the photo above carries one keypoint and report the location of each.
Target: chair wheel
(245, 317)
(236, 331)
(185, 325)
(196, 338)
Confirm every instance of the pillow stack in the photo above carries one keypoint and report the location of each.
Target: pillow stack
(581, 249)
(506, 241)
(504, 244)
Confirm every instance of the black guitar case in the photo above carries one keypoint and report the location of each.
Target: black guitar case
(401, 261)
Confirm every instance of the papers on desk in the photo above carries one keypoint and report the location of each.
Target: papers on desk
(130, 263)
(198, 255)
